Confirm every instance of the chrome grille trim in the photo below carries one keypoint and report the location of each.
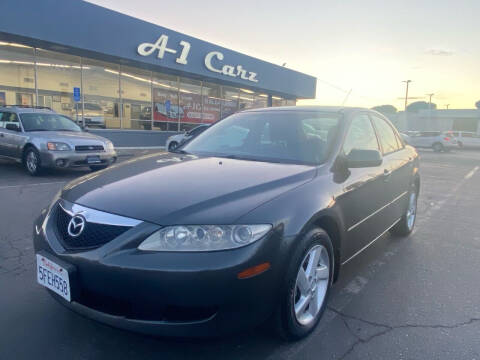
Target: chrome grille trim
(97, 216)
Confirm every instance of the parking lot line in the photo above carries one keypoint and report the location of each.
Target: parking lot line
(21, 185)
(471, 173)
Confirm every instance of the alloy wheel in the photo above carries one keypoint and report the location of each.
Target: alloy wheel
(412, 210)
(32, 162)
(311, 285)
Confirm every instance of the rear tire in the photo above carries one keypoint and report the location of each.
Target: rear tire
(32, 162)
(437, 147)
(407, 223)
(296, 316)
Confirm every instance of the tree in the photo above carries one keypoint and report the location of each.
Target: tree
(477, 104)
(420, 105)
(385, 109)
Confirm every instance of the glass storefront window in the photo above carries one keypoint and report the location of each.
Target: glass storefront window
(57, 75)
(17, 74)
(165, 102)
(190, 103)
(212, 100)
(246, 99)
(136, 85)
(229, 101)
(260, 100)
(102, 105)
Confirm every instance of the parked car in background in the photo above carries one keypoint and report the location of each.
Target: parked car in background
(175, 141)
(467, 139)
(41, 138)
(405, 138)
(436, 140)
(296, 193)
(93, 115)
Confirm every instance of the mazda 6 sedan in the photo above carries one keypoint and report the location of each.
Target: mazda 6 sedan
(250, 221)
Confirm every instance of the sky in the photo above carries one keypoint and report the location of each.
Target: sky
(366, 46)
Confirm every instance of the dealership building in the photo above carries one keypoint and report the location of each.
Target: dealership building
(109, 69)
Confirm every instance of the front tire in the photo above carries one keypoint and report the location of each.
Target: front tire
(307, 286)
(32, 161)
(172, 146)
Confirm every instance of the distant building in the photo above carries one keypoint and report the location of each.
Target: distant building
(438, 120)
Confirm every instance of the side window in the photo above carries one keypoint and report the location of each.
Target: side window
(2, 121)
(386, 135)
(360, 136)
(13, 118)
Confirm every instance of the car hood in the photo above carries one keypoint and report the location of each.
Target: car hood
(169, 189)
(70, 137)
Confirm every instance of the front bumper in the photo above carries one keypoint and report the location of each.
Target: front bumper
(68, 159)
(169, 294)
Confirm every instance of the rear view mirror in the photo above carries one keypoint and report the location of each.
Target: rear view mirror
(12, 127)
(364, 158)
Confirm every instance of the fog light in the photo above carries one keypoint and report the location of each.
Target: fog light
(60, 162)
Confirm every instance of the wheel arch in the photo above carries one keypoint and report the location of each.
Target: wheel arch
(27, 146)
(332, 225)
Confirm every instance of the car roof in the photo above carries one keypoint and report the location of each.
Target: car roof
(26, 109)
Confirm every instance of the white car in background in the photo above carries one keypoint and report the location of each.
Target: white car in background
(436, 140)
(175, 141)
(467, 139)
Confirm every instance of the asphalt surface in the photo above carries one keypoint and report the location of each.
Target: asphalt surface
(402, 298)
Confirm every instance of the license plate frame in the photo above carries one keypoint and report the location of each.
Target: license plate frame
(53, 276)
(94, 159)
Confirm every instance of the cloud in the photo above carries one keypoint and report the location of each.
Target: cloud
(439, 52)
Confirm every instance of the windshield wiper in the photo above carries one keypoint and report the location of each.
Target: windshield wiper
(37, 130)
(64, 130)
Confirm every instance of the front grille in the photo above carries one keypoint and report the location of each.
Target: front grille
(93, 235)
(89, 148)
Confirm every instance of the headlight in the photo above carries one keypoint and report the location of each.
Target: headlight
(58, 146)
(109, 145)
(203, 237)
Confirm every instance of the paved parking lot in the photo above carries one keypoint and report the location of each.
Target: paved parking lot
(403, 298)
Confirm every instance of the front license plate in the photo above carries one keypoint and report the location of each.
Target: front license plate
(93, 159)
(53, 277)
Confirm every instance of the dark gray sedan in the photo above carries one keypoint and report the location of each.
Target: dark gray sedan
(41, 138)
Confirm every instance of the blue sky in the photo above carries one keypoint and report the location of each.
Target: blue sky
(368, 46)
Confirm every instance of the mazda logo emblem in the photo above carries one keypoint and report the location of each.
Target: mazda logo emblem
(76, 226)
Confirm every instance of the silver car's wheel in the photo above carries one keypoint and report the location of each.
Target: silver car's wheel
(311, 285)
(32, 162)
(172, 146)
(412, 210)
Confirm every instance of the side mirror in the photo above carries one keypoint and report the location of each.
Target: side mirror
(12, 127)
(364, 158)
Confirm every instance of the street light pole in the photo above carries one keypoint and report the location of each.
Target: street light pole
(447, 105)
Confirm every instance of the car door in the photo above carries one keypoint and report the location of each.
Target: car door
(363, 194)
(12, 140)
(398, 167)
(3, 147)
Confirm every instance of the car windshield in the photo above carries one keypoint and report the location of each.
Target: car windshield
(47, 122)
(276, 136)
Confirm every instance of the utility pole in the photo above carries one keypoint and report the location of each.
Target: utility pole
(447, 105)
(406, 100)
(406, 93)
(430, 106)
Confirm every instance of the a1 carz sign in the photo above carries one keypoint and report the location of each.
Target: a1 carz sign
(236, 71)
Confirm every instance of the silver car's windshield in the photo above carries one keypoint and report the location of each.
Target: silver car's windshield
(277, 136)
(47, 122)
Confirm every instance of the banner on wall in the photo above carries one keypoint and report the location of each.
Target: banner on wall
(189, 110)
